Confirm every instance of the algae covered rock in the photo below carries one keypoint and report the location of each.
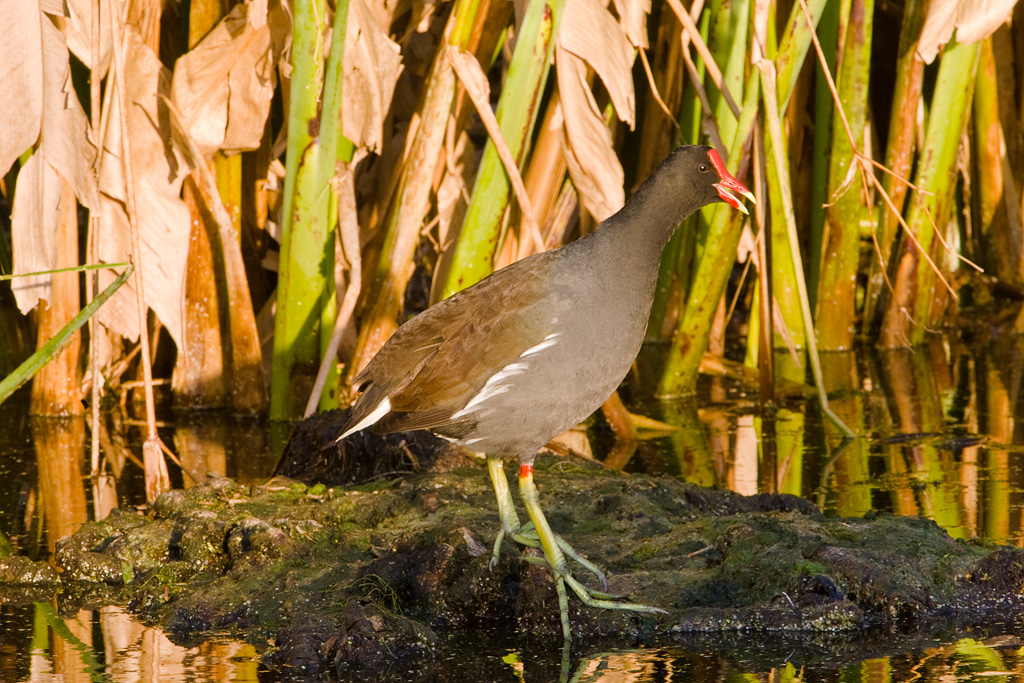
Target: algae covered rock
(342, 577)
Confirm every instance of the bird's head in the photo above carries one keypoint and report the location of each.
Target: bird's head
(696, 175)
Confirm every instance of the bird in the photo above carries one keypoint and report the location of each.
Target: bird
(510, 362)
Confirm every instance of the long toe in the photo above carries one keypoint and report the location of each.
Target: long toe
(556, 549)
(606, 601)
(527, 536)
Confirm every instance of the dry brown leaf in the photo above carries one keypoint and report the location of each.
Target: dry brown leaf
(64, 140)
(373, 63)
(257, 14)
(21, 81)
(223, 86)
(633, 17)
(65, 151)
(590, 36)
(78, 29)
(33, 230)
(973, 20)
(163, 217)
(590, 32)
(385, 12)
(593, 166)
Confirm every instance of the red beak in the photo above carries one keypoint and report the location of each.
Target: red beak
(728, 184)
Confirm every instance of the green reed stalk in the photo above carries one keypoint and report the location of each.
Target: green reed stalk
(917, 308)
(56, 344)
(305, 264)
(517, 111)
(849, 208)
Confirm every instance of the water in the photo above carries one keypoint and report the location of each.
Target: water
(108, 645)
(942, 441)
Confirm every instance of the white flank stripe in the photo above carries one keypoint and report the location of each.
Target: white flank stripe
(509, 370)
(487, 392)
(380, 411)
(547, 342)
(496, 384)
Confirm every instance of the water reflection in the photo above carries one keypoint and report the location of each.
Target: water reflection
(939, 426)
(60, 454)
(941, 440)
(108, 645)
(998, 659)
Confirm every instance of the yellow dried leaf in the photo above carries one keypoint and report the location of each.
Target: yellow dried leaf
(973, 20)
(224, 85)
(163, 218)
(64, 151)
(257, 14)
(33, 231)
(21, 81)
(78, 29)
(591, 33)
(64, 141)
(633, 17)
(593, 165)
(373, 63)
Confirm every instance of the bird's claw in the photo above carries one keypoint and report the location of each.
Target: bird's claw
(605, 600)
(526, 535)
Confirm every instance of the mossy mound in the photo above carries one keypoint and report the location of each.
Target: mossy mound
(350, 577)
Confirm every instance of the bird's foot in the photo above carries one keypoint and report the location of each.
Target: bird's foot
(603, 600)
(588, 596)
(556, 550)
(526, 535)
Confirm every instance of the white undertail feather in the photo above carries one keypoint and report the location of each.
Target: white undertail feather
(380, 411)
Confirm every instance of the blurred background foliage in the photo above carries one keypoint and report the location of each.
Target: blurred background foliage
(295, 179)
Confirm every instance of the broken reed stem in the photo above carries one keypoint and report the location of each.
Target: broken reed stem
(706, 118)
(155, 466)
(654, 88)
(690, 28)
(474, 82)
(348, 237)
(92, 279)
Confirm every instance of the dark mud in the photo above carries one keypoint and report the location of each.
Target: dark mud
(357, 577)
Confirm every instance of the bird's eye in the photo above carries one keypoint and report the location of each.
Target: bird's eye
(703, 168)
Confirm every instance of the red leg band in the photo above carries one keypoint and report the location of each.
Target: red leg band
(525, 471)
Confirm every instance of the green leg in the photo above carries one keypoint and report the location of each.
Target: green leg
(506, 506)
(525, 534)
(552, 545)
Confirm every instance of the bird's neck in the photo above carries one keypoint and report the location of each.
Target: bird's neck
(636, 236)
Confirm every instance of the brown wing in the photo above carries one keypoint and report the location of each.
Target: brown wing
(436, 362)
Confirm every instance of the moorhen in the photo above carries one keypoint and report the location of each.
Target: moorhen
(530, 351)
